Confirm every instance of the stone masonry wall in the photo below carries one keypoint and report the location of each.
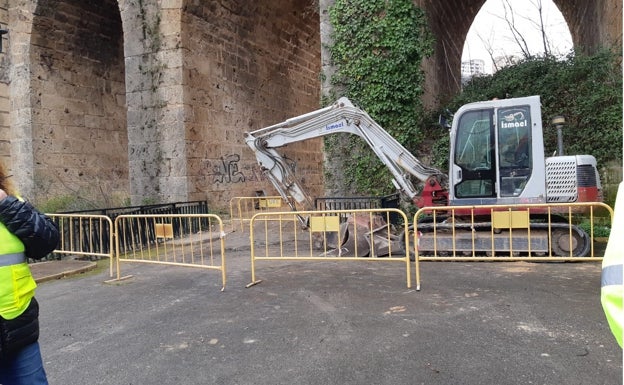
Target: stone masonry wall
(593, 24)
(247, 65)
(149, 99)
(78, 101)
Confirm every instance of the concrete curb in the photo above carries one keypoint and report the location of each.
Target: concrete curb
(50, 270)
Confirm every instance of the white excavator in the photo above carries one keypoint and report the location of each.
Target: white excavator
(496, 158)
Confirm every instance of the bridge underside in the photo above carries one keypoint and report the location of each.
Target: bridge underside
(117, 101)
(592, 24)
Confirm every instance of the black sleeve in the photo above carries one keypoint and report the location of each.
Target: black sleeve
(38, 232)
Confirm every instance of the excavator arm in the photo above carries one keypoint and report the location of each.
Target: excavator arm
(343, 116)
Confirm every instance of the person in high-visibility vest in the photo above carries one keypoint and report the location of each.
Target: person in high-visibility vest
(612, 270)
(24, 233)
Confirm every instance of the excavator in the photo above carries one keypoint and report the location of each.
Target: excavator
(496, 158)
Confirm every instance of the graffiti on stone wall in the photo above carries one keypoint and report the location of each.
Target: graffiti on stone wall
(228, 170)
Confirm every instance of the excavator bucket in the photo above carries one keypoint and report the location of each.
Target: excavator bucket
(363, 236)
(383, 243)
(352, 243)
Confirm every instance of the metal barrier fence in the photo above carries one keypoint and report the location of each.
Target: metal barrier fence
(364, 235)
(85, 235)
(182, 240)
(242, 209)
(457, 233)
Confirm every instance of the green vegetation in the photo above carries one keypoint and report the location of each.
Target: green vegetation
(600, 231)
(63, 203)
(378, 47)
(586, 90)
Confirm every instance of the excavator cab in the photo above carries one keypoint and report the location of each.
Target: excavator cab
(497, 153)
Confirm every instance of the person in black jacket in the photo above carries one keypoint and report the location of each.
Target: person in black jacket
(24, 233)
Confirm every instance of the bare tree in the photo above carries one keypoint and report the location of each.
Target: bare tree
(489, 48)
(510, 19)
(542, 29)
(516, 23)
(538, 24)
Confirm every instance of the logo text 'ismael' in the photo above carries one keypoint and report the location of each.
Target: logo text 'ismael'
(523, 123)
(334, 126)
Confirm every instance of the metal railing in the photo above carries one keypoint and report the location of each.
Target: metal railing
(177, 208)
(192, 207)
(359, 203)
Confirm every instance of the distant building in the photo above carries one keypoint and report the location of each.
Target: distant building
(472, 67)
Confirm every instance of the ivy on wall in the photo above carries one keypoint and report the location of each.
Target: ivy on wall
(377, 51)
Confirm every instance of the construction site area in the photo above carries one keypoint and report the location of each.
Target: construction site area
(300, 319)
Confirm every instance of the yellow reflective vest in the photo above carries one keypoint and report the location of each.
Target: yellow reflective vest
(612, 289)
(17, 285)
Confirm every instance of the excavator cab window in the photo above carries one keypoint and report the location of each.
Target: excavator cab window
(514, 148)
(474, 154)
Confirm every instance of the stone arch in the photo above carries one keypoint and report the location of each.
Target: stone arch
(75, 82)
(592, 25)
(186, 78)
(499, 36)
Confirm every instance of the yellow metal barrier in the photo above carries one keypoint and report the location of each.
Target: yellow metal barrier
(363, 235)
(459, 232)
(242, 209)
(195, 240)
(85, 235)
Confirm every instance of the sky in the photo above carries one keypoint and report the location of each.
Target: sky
(490, 29)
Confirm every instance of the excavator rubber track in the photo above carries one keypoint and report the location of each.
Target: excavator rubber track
(554, 239)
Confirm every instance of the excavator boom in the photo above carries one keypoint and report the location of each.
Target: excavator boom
(342, 116)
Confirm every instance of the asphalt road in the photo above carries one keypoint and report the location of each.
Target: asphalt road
(331, 323)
